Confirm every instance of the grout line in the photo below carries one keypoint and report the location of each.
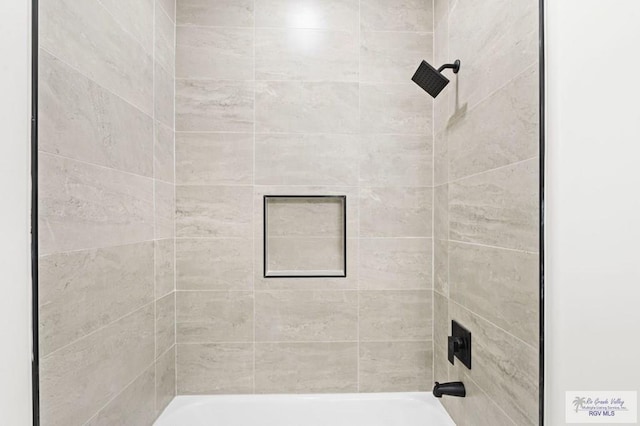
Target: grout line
(433, 206)
(303, 290)
(271, 133)
(489, 246)
(284, 28)
(297, 342)
(155, 222)
(253, 208)
(175, 207)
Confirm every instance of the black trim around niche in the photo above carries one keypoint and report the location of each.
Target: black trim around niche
(35, 355)
(264, 235)
(541, 195)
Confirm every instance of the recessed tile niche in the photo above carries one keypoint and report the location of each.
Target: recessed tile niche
(305, 236)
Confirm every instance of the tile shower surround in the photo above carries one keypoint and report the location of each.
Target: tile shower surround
(281, 97)
(106, 186)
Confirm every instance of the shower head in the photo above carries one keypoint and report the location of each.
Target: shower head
(430, 79)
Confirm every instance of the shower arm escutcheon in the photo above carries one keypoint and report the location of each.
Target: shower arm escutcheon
(454, 66)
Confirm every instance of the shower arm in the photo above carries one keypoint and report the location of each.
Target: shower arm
(454, 66)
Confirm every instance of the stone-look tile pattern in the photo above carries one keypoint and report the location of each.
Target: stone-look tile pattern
(107, 207)
(486, 176)
(271, 102)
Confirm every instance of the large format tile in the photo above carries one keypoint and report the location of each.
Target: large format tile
(501, 130)
(214, 316)
(165, 207)
(214, 158)
(164, 154)
(319, 14)
(393, 56)
(214, 53)
(483, 278)
(395, 108)
(395, 263)
(306, 315)
(498, 208)
(84, 206)
(165, 42)
(214, 211)
(85, 35)
(208, 105)
(306, 54)
(441, 212)
(165, 266)
(135, 17)
(165, 323)
(396, 160)
(135, 405)
(503, 366)
(165, 379)
(306, 107)
(164, 97)
(81, 120)
(395, 366)
(441, 321)
(496, 40)
(215, 13)
(398, 15)
(215, 368)
(407, 315)
(78, 380)
(406, 212)
(306, 367)
(82, 291)
(214, 264)
(441, 266)
(297, 159)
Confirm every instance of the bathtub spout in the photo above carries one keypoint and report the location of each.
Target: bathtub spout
(451, 388)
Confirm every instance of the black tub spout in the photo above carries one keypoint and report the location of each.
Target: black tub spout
(451, 388)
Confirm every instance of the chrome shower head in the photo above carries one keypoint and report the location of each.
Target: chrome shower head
(430, 79)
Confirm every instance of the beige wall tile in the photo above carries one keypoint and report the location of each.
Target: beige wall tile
(306, 107)
(84, 206)
(136, 18)
(165, 379)
(135, 405)
(395, 263)
(395, 366)
(164, 266)
(82, 291)
(441, 212)
(215, 368)
(483, 278)
(165, 323)
(406, 212)
(214, 316)
(164, 100)
(340, 15)
(306, 315)
(401, 15)
(215, 53)
(86, 36)
(214, 158)
(407, 315)
(81, 120)
(168, 7)
(164, 153)
(214, 264)
(78, 380)
(306, 367)
(216, 13)
(165, 205)
(393, 56)
(441, 266)
(440, 158)
(306, 54)
(395, 108)
(504, 367)
(441, 320)
(207, 105)
(165, 41)
(478, 143)
(498, 208)
(396, 160)
(306, 159)
(213, 211)
(440, 364)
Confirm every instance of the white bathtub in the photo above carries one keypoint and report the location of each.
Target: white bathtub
(375, 409)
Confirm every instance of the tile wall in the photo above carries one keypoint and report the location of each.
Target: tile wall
(486, 207)
(106, 200)
(300, 98)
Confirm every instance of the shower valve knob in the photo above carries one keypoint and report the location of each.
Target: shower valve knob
(456, 345)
